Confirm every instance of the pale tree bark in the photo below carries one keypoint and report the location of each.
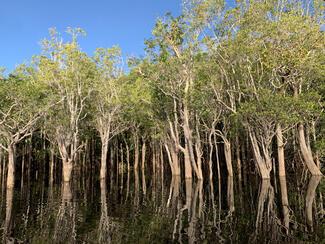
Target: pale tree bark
(8, 219)
(306, 152)
(227, 149)
(280, 145)
(304, 148)
(238, 159)
(105, 223)
(107, 126)
(190, 162)
(143, 159)
(65, 226)
(136, 151)
(11, 165)
(285, 203)
(310, 196)
(103, 164)
(230, 194)
(262, 157)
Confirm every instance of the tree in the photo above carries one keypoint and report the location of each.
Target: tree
(107, 102)
(22, 106)
(68, 74)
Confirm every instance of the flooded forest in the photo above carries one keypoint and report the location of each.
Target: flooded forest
(215, 135)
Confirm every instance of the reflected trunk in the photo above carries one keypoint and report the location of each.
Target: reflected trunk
(230, 194)
(104, 222)
(310, 196)
(65, 226)
(8, 220)
(285, 203)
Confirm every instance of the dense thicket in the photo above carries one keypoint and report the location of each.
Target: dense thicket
(218, 86)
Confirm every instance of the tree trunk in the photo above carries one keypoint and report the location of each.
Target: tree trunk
(136, 152)
(227, 149)
(143, 154)
(238, 160)
(210, 157)
(310, 197)
(103, 166)
(170, 160)
(187, 163)
(52, 167)
(175, 161)
(11, 166)
(306, 153)
(264, 163)
(66, 170)
(279, 137)
(285, 203)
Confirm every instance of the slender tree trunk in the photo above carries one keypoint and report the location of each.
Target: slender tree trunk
(305, 150)
(227, 149)
(143, 154)
(264, 163)
(103, 166)
(238, 160)
(285, 203)
(280, 144)
(306, 153)
(210, 157)
(8, 219)
(136, 152)
(188, 158)
(310, 196)
(11, 165)
(230, 194)
(52, 167)
(170, 160)
(175, 161)
(187, 163)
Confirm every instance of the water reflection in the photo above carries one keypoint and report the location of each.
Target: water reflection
(310, 197)
(148, 210)
(7, 238)
(65, 225)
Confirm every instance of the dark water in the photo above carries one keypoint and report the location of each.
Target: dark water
(156, 210)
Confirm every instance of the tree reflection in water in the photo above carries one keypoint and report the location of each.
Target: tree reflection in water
(93, 211)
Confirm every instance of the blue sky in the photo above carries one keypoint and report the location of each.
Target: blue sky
(127, 23)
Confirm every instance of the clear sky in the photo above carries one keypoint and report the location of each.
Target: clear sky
(127, 23)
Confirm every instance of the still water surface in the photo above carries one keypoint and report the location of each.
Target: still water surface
(155, 210)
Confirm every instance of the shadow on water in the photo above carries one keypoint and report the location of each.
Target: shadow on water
(139, 208)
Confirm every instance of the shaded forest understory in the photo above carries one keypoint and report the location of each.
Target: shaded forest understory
(222, 93)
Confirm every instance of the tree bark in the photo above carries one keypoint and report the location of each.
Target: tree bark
(52, 167)
(143, 154)
(310, 196)
(11, 165)
(136, 152)
(285, 203)
(306, 153)
(227, 149)
(187, 163)
(103, 166)
(175, 161)
(280, 144)
(66, 170)
(238, 160)
(264, 163)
